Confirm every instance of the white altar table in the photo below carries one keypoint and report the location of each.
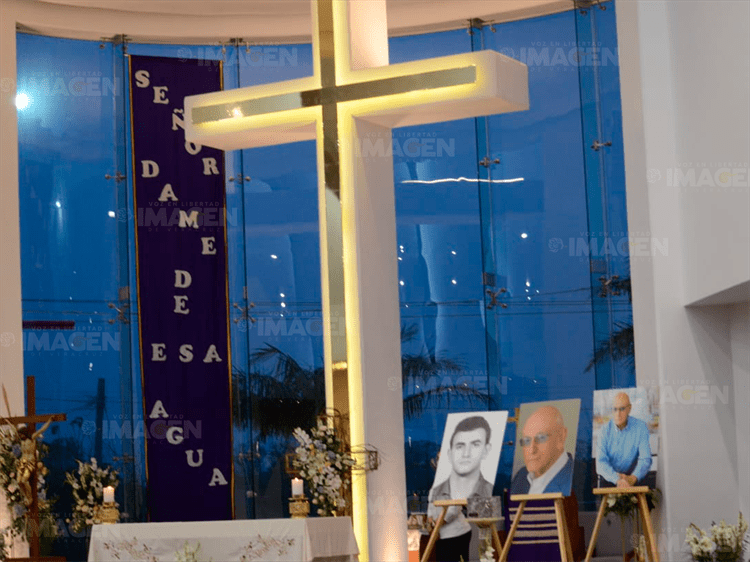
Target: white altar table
(322, 539)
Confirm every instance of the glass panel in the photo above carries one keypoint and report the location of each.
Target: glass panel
(70, 268)
(597, 31)
(440, 272)
(281, 370)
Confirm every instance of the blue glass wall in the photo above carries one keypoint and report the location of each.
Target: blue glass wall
(499, 261)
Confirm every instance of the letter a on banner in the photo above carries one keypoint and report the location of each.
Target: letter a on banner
(183, 305)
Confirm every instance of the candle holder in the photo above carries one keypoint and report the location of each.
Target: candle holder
(299, 507)
(108, 513)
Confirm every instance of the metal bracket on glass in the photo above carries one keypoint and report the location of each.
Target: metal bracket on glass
(118, 177)
(597, 144)
(584, 5)
(244, 312)
(124, 459)
(121, 313)
(239, 178)
(115, 40)
(486, 162)
(493, 298)
(612, 286)
(478, 24)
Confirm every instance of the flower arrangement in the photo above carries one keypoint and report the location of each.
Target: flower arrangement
(11, 467)
(325, 464)
(486, 551)
(626, 505)
(724, 543)
(88, 484)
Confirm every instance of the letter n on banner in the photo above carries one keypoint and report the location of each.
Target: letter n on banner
(183, 305)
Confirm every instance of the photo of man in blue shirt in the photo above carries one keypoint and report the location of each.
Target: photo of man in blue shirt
(623, 456)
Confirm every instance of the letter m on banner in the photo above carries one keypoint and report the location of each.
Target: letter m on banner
(183, 306)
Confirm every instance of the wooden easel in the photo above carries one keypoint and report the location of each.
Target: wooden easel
(485, 522)
(31, 419)
(566, 551)
(648, 528)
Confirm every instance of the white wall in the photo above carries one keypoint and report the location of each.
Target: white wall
(739, 325)
(675, 113)
(711, 54)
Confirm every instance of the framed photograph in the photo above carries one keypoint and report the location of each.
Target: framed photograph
(625, 440)
(546, 435)
(472, 443)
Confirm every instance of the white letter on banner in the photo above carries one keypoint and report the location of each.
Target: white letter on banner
(150, 169)
(167, 194)
(157, 352)
(159, 94)
(209, 167)
(178, 121)
(193, 148)
(211, 355)
(158, 411)
(218, 478)
(180, 304)
(142, 78)
(186, 353)
(208, 246)
(191, 461)
(182, 278)
(174, 435)
(188, 220)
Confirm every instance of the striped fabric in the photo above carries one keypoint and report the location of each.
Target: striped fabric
(537, 526)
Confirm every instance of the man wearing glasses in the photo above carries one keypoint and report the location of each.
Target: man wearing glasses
(623, 455)
(469, 446)
(548, 467)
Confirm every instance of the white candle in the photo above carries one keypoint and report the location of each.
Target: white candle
(297, 488)
(109, 494)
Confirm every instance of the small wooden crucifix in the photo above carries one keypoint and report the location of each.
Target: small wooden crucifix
(31, 419)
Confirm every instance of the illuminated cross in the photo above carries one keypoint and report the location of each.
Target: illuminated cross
(351, 102)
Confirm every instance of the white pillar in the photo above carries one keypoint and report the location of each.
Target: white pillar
(373, 341)
(11, 348)
(687, 351)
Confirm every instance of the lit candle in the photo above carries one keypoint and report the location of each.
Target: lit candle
(109, 494)
(297, 489)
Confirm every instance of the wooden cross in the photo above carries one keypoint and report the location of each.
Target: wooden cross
(31, 419)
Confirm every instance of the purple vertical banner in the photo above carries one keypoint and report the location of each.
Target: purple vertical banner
(182, 295)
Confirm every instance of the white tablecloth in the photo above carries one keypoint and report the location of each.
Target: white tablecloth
(267, 540)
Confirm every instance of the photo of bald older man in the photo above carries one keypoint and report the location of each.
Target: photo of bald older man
(545, 447)
(625, 427)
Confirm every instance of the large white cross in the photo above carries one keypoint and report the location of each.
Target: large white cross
(353, 99)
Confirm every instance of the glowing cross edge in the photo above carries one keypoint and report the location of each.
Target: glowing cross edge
(398, 95)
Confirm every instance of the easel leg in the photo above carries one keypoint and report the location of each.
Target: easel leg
(648, 528)
(496, 540)
(559, 518)
(597, 525)
(512, 532)
(434, 536)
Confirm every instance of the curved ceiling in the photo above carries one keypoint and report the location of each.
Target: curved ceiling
(291, 18)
